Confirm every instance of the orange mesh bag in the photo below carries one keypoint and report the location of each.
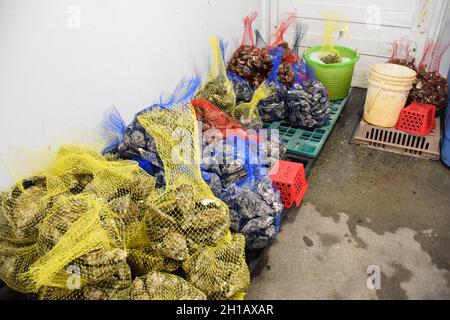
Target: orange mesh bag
(286, 73)
(214, 122)
(248, 61)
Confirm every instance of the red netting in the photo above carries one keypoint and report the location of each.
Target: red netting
(212, 117)
(278, 37)
(402, 53)
(285, 73)
(248, 61)
(432, 55)
(248, 37)
(431, 87)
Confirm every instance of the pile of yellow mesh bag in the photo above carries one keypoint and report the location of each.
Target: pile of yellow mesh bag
(93, 227)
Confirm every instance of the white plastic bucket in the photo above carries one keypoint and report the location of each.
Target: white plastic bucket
(389, 86)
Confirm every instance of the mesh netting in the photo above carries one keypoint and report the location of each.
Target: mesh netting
(285, 72)
(248, 61)
(215, 125)
(242, 88)
(237, 173)
(273, 108)
(402, 53)
(220, 271)
(213, 120)
(187, 219)
(84, 227)
(308, 105)
(431, 87)
(307, 102)
(63, 231)
(164, 286)
(219, 89)
(248, 113)
(133, 142)
(278, 37)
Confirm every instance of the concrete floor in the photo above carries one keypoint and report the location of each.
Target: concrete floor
(363, 207)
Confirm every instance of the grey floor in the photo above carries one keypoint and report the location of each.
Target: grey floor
(363, 208)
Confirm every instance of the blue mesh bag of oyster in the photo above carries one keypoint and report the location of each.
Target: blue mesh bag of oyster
(273, 108)
(307, 102)
(133, 142)
(238, 176)
(242, 88)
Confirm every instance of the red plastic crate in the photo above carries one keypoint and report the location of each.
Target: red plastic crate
(289, 178)
(417, 118)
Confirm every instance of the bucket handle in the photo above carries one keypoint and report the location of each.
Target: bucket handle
(372, 101)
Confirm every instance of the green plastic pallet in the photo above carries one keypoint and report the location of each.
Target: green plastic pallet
(308, 142)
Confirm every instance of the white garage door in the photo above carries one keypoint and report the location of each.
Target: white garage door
(374, 25)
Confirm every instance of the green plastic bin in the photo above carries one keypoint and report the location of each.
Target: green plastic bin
(336, 77)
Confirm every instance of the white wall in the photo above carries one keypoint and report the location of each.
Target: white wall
(374, 25)
(55, 79)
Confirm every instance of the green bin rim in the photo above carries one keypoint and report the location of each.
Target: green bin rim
(346, 52)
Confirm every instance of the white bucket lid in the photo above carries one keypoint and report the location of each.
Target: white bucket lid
(393, 72)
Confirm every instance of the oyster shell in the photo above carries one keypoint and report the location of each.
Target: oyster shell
(221, 271)
(163, 286)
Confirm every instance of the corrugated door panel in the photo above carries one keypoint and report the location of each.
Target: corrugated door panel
(397, 13)
(398, 18)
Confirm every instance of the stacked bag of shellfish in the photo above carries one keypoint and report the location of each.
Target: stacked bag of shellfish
(431, 87)
(297, 97)
(161, 213)
(94, 226)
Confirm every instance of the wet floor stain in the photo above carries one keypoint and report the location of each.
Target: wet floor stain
(317, 257)
(308, 241)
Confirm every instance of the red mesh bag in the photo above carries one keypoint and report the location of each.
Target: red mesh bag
(286, 73)
(431, 87)
(249, 62)
(277, 39)
(212, 117)
(402, 53)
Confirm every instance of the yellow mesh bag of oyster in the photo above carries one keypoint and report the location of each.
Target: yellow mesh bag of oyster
(186, 219)
(220, 271)
(15, 259)
(219, 89)
(77, 230)
(247, 112)
(164, 286)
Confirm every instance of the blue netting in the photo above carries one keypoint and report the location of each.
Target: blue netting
(302, 72)
(260, 43)
(133, 142)
(307, 100)
(184, 91)
(235, 170)
(113, 128)
(273, 108)
(277, 54)
(242, 88)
